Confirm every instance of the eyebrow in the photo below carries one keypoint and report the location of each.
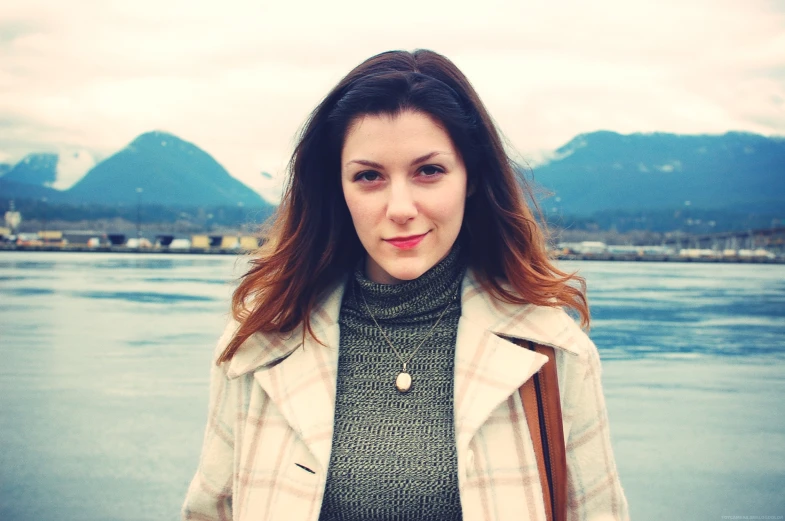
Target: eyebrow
(373, 164)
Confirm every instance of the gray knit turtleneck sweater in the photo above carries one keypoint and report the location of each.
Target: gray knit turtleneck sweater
(393, 455)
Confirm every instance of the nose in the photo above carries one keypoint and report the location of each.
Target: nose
(401, 206)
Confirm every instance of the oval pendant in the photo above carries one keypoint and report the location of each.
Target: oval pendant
(404, 382)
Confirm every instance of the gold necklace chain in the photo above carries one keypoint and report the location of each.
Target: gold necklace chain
(404, 380)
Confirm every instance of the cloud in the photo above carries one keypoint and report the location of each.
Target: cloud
(239, 78)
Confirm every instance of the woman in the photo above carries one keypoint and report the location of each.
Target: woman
(369, 372)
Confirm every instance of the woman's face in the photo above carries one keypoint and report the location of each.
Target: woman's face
(405, 185)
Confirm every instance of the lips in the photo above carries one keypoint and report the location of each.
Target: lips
(406, 243)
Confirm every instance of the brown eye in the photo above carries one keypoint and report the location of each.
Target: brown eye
(368, 175)
(431, 170)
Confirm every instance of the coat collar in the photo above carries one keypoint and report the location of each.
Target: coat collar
(542, 325)
(269, 349)
(488, 367)
(549, 326)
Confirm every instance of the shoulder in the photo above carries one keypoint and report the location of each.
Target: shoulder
(262, 349)
(547, 325)
(231, 327)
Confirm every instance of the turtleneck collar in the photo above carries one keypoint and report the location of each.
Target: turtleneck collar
(416, 299)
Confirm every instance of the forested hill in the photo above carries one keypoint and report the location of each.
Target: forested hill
(35, 169)
(160, 168)
(609, 171)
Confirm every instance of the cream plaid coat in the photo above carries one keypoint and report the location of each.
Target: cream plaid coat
(271, 414)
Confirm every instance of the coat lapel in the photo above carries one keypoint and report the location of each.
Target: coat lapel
(489, 368)
(303, 389)
(300, 379)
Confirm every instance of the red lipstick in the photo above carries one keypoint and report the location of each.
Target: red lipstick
(406, 243)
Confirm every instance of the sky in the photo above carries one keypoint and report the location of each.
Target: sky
(238, 78)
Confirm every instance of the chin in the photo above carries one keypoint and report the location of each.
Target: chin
(406, 273)
(407, 276)
(396, 269)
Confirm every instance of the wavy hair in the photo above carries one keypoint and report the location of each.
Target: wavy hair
(311, 240)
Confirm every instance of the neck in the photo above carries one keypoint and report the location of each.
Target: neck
(422, 297)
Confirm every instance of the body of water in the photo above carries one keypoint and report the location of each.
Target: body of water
(105, 358)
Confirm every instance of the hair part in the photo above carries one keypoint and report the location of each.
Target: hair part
(311, 241)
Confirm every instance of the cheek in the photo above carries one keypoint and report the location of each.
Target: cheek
(361, 210)
(449, 208)
(355, 205)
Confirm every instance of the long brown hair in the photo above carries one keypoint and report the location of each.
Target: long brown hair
(311, 239)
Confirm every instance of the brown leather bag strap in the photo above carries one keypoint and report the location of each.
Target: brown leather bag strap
(542, 406)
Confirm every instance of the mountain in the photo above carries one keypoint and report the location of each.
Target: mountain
(58, 171)
(168, 170)
(31, 178)
(609, 171)
(16, 190)
(34, 169)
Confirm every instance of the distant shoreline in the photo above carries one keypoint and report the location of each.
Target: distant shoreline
(669, 258)
(233, 251)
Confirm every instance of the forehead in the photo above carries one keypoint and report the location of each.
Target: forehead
(386, 134)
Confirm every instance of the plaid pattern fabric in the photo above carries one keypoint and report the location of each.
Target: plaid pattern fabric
(269, 430)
